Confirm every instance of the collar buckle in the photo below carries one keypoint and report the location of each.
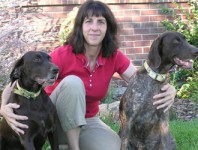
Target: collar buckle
(23, 92)
(154, 75)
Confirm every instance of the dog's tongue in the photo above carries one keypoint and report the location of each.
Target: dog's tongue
(39, 80)
(184, 64)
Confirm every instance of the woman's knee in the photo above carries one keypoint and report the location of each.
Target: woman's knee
(96, 139)
(72, 83)
(70, 88)
(70, 102)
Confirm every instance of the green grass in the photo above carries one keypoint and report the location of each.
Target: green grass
(186, 134)
(111, 122)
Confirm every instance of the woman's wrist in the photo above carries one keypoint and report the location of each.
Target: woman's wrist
(1, 113)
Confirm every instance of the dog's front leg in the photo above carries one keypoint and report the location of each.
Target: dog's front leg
(28, 145)
(27, 142)
(53, 140)
(123, 118)
(1, 143)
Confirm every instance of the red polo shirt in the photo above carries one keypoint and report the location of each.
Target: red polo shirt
(96, 82)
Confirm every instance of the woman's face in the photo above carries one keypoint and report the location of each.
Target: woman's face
(94, 30)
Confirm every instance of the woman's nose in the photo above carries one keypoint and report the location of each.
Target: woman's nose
(94, 26)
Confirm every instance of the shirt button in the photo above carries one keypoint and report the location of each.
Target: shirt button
(90, 75)
(90, 84)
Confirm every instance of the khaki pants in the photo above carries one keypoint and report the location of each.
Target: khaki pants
(69, 100)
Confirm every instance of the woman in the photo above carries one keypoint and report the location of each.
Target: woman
(87, 63)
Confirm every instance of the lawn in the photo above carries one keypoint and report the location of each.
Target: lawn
(185, 132)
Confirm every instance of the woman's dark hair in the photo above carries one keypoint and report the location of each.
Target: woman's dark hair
(94, 8)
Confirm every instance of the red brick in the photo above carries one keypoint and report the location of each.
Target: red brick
(59, 15)
(157, 30)
(124, 19)
(127, 25)
(157, 18)
(132, 37)
(131, 56)
(128, 44)
(149, 12)
(171, 5)
(140, 6)
(137, 62)
(139, 22)
(140, 19)
(146, 50)
(149, 36)
(141, 31)
(127, 32)
(149, 24)
(141, 43)
(133, 50)
(55, 2)
(141, 56)
(157, 6)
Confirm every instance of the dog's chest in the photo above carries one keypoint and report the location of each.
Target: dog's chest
(140, 92)
(40, 111)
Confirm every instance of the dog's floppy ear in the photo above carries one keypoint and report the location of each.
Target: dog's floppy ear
(154, 54)
(16, 71)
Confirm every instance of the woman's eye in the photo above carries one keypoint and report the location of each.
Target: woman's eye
(87, 21)
(101, 22)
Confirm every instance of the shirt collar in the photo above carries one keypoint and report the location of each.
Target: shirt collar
(100, 61)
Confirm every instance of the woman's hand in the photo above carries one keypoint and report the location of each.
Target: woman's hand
(166, 98)
(11, 118)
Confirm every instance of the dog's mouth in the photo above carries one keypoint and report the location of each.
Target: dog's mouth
(186, 64)
(46, 81)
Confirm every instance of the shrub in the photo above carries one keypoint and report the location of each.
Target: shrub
(185, 81)
(18, 34)
(67, 25)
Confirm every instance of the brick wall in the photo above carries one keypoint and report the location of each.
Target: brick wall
(139, 22)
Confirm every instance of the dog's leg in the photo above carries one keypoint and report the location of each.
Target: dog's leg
(28, 145)
(173, 143)
(27, 142)
(53, 136)
(123, 132)
(1, 143)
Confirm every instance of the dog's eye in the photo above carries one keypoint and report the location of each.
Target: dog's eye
(176, 41)
(37, 59)
(49, 58)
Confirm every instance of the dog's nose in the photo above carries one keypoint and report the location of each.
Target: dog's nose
(55, 70)
(195, 51)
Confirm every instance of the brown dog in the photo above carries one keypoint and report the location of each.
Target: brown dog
(143, 127)
(30, 73)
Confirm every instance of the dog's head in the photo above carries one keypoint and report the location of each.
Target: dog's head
(35, 66)
(172, 48)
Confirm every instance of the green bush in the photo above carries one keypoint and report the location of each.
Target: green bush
(67, 25)
(185, 81)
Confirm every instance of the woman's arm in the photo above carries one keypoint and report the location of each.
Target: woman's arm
(165, 99)
(7, 111)
(128, 73)
(6, 94)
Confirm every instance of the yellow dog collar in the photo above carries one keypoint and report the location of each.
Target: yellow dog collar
(20, 91)
(154, 75)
